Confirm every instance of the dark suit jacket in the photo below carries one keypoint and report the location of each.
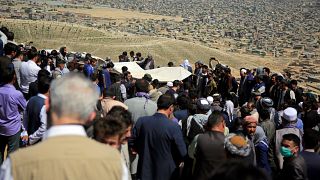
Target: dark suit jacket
(313, 164)
(5, 63)
(160, 146)
(210, 154)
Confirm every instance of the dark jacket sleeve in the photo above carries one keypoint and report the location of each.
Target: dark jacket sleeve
(294, 170)
(262, 156)
(178, 142)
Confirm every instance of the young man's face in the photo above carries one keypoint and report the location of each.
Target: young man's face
(61, 66)
(273, 79)
(290, 145)
(126, 135)
(113, 141)
(250, 106)
(21, 57)
(129, 76)
(204, 70)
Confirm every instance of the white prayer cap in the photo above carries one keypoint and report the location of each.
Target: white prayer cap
(169, 84)
(290, 114)
(210, 99)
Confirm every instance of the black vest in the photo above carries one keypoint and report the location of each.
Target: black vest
(33, 111)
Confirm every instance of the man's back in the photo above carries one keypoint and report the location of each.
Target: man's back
(11, 101)
(206, 161)
(28, 73)
(66, 157)
(312, 160)
(160, 146)
(293, 168)
(140, 106)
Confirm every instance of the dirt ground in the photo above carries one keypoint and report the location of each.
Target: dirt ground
(53, 35)
(119, 14)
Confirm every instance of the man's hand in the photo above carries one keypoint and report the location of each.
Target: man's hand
(25, 138)
(133, 151)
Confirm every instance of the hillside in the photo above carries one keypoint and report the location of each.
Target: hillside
(103, 44)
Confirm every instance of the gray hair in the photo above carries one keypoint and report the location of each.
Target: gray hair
(73, 96)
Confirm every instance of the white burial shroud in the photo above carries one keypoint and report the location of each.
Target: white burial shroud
(163, 74)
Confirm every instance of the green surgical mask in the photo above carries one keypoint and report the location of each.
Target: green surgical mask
(285, 152)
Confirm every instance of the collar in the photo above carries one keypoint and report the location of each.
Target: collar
(160, 115)
(42, 96)
(32, 62)
(8, 85)
(143, 94)
(16, 59)
(309, 150)
(65, 130)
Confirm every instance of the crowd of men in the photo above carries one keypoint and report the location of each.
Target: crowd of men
(65, 117)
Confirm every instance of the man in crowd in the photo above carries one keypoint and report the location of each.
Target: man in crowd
(108, 102)
(289, 120)
(12, 103)
(249, 129)
(294, 166)
(58, 72)
(33, 87)
(89, 68)
(109, 130)
(35, 119)
(115, 129)
(106, 80)
(10, 51)
(159, 143)
(211, 141)
(63, 53)
(195, 124)
(147, 63)
(311, 140)
(29, 71)
(174, 89)
(118, 89)
(66, 152)
(17, 64)
(140, 106)
(298, 91)
(286, 95)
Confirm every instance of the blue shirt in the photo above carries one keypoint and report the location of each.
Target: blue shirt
(88, 69)
(11, 103)
(107, 78)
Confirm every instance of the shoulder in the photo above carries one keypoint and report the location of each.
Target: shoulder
(23, 65)
(203, 137)
(84, 146)
(145, 119)
(129, 101)
(310, 155)
(152, 103)
(16, 93)
(173, 125)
